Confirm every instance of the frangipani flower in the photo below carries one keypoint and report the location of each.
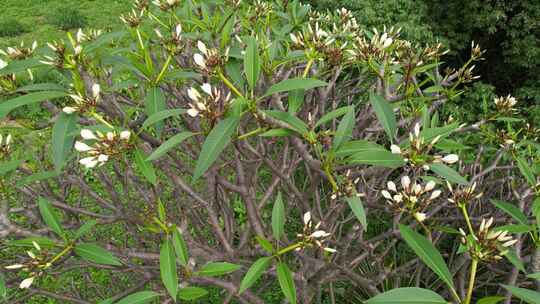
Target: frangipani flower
(82, 103)
(313, 235)
(103, 147)
(487, 244)
(209, 103)
(413, 198)
(209, 59)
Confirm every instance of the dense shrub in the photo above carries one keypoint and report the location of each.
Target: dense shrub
(11, 28)
(67, 18)
(260, 146)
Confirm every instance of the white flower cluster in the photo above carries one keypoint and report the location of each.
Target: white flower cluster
(37, 262)
(418, 154)
(104, 146)
(5, 144)
(414, 197)
(488, 244)
(82, 104)
(313, 235)
(132, 19)
(20, 52)
(206, 103)
(463, 195)
(209, 58)
(166, 4)
(505, 104)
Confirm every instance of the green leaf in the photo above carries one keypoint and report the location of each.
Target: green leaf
(254, 273)
(294, 84)
(286, 282)
(358, 209)
(278, 217)
(214, 144)
(3, 288)
(93, 253)
(226, 32)
(252, 64)
(191, 293)
(512, 257)
(145, 167)
(33, 177)
(345, 129)
(295, 100)
(62, 140)
(265, 244)
(28, 242)
(525, 169)
(155, 103)
(407, 295)
(169, 144)
(450, 174)
(511, 210)
(515, 228)
(141, 297)
(332, 115)
(41, 87)
(277, 133)
(20, 65)
(490, 300)
(180, 247)
(85, 228)
(9, 166)
(385, 114)
(377, 158)
(356, 146)
(216, 269)
(428, 254)
(167, 268)
(8, 105)
(294, 122)
(535, 276)
(161, 115)
(527, 295)
(49, 217)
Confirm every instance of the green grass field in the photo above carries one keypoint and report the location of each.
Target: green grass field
(42, 20)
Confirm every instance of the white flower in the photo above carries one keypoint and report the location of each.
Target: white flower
(331, 250)
(15, 266)
(420, 216)
(417, 130)
(110, 136)
(102, 158)
(509, 243)
(429, 186)
(3, 64)
(125, 135)
(69, 110)
(89, 162)
(386, 194)
(87, 134)
(199, 60)
(96, 89)
(319, 234)
(82, 147)
(207, 88)
(178, 29)
(307, 218)
(8, 139)
(202, 47)
(405, 182)
(450, 158)
(391, 186)
(26, 283)
(194, 94)
(78, 49)
(193, 112)
(435, 194)
(395, 149)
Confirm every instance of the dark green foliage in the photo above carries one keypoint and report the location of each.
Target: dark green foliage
(11, 28)
(67, 18)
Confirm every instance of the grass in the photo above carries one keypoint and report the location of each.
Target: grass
(43, 20)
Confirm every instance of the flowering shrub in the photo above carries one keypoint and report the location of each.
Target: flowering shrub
(246, 146)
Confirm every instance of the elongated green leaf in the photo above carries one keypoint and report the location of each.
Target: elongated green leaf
(286, 282)
(154, 103)
(345, 129)
(167, 268)
(49, 217)
(169, 144)
(428, 254)
(180, 247)
(407, 295)
(278, 217)
(216, 269)
(8, 105)
(296, 99)
(294, 122)
(62, 139)
(34, 177)
(215, 142)
(254, 273)
(525, 169)
(512, 257)
(20, 65)
(450, 174)
(28, 242)
(161, 115)
(41, 87)
(490, 300)
(358, 209)
(265, 244)
(145, 167)
(191, 293)
(515, 228)
(357, 146)
(527, 295)
(93, 253)
(141, 297)
(294, 84)
(3, 288)
(332, 115)
(535, 276)
(85, 228)
(277, 133)
(511, 210)
(226, 32)
(376, 158)
(9, 166)
(385, 114)
(252, 64)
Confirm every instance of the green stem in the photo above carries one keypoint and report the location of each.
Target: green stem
(308, 67)
(467, 219)
(103, 121)
(472, 278)
(330, 177)
(164, 69)
(251, 133)
(289, 248)
(230, 85)
(62, 253)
